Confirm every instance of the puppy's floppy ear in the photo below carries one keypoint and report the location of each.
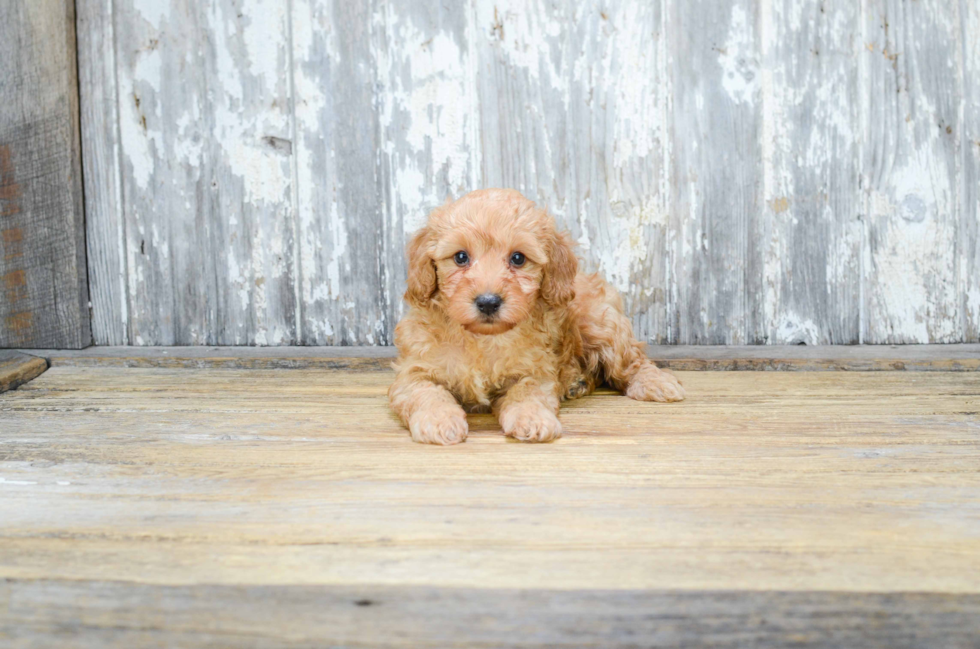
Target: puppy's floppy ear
(421, 269)
(558, 284)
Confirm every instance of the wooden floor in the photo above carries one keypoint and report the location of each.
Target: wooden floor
(171, 507)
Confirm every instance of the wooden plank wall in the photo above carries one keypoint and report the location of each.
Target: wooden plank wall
(43, 286)
(745, 171)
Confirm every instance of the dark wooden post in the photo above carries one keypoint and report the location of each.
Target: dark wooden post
(43, 286)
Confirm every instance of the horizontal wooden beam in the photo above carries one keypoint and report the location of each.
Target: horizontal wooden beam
(682, 357)
(960, 357)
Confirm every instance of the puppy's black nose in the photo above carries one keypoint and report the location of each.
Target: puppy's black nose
(489, 303)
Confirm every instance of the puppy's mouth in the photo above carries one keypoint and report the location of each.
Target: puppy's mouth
(489, 326)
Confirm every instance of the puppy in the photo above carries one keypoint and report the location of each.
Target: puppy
(502, 321)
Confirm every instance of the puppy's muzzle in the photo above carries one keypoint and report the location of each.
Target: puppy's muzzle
(488, 304)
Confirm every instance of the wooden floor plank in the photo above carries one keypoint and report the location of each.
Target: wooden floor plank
(109, 615)
(846, 495)
(16, 369)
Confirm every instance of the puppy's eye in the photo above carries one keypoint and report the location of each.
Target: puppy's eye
(517, 259)
(461, 258)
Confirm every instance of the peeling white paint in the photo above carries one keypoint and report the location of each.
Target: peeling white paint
(137, 100)
(639, 107)
(912, 256)
(153, 11)
(618, 264)
(791, 329)
(266, 20)
(239, 126)
(739, 60)
(528, 33)
(430, 114)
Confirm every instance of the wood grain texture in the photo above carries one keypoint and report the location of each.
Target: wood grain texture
(819, 502)
(574, 105)
(205, 123)
(43, 285)
(104, 220)
(812, 233)
(917, 358)
(742, 172)
(717, 261)
(430, 125)
(969, 234)
(17, 368)
(911, 168)
(340, 186)
(105, 615)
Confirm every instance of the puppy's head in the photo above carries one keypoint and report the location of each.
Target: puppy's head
(487, 259)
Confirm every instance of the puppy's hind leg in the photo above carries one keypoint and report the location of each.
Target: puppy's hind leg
(577, 381)
(610, 347)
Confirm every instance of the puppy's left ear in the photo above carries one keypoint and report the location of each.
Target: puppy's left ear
(558, 285)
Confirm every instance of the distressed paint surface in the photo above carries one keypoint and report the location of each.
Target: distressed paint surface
(716, 212)
(812, 230)
(742, 171)
(911, 169)
(575, 102)
(204, 118)
(430, 114)
(340, 200)
(970, 172)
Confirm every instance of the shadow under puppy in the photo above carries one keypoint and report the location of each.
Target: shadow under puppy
(502, 320)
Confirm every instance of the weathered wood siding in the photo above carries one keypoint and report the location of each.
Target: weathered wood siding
(744, 171)
(43, 288)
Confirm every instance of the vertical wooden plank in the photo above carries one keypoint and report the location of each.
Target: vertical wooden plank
(160, 63)
(104, 222)
(970, 172)
(429, 114)
(716, 232)
(812, 232)
(43, 285)
(340, 189)
(205, 127)
(522, 84)
(575, 101)
(252, 219)
(911, 166)
(619, 147)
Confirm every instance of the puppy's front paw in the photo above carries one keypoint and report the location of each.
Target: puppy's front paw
(530, 422)
(444, 426)
(654, 384)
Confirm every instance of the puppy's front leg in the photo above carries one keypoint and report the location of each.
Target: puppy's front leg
(429, 410)
(528, 411)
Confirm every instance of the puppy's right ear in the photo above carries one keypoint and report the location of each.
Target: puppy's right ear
(421, 269)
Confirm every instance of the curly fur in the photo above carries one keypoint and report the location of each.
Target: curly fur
(557, 335)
